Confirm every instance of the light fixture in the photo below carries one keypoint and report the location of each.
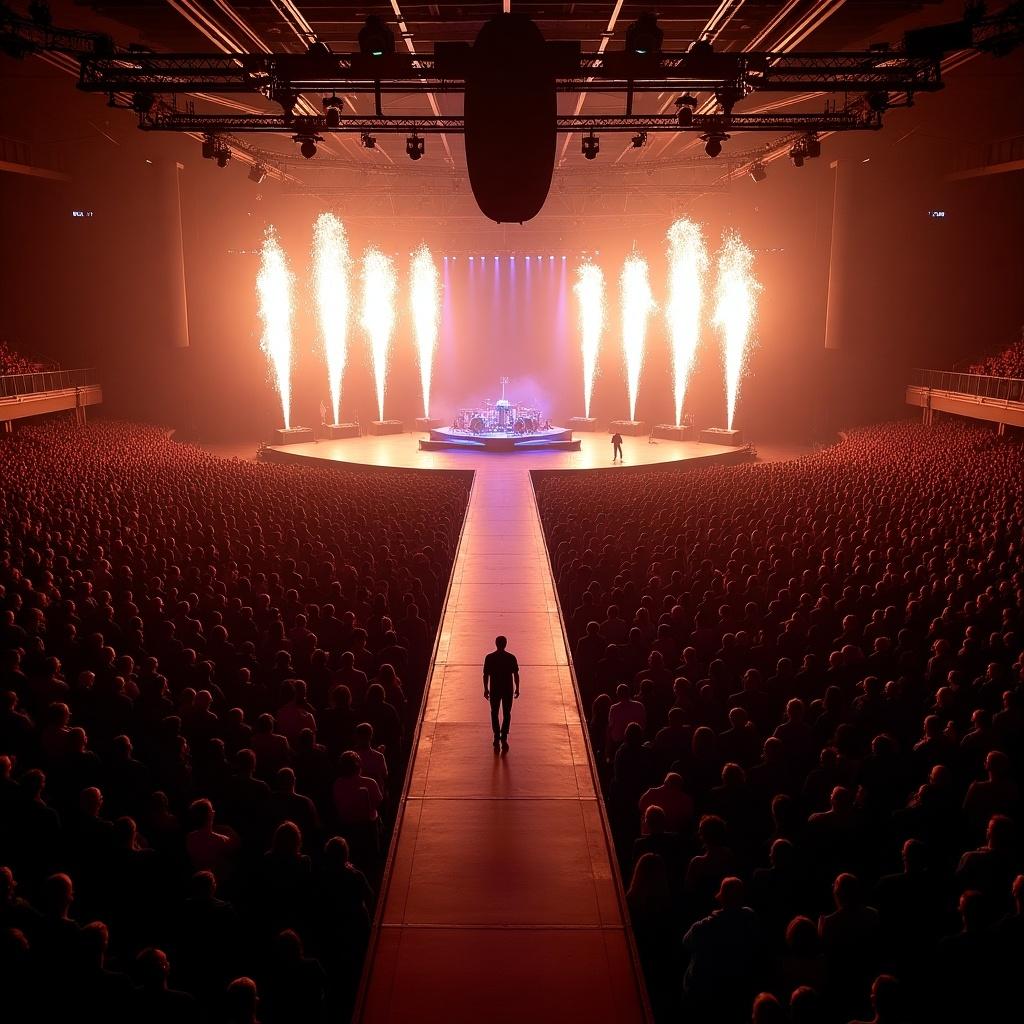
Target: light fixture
(209, 147)
(639, 140)
(591, 146)
(644, 36)
(415, 147)
(257, 173)
(223, 156)
(375, 38)
(685, 106)
(812, 147)
(368, 141)
(307, 145)
(713, 143)
(332, 109)
(758, 171)
(797, 154)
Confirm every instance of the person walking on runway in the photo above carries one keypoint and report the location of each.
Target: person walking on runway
(616, 446)
(501, 687)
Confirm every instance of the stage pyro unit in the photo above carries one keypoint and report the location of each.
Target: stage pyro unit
(339, 430)
(670, 432)
(379, 427)
(583, 424)
(427, 423)
(628, 428)
(296, 435)
(723, 436)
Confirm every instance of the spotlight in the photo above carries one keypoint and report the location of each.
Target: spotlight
(307, 145)
(375, 38)
(591, 146)
(415, 147)
(644, 36)
(797, 154)
(713, 143)
(257, 173)
(758, 171)
(209, 147)
(332, 109)
(223, 156)
(685, 105)
(639, 140)
(368, 141)
(142, 102)
(812, 147)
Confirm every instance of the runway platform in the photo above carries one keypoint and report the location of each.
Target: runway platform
(452, 439)
(402, 451)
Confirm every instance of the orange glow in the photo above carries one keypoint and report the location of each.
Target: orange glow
(274, 287)
(735, 312)
(687, 267)
(589, 289)
(331, 280)
(378, 315)
(637, 306)
(425, 300)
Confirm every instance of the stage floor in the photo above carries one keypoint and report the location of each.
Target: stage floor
(402, 451)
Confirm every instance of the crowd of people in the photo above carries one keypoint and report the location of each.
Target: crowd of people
(805, 685)
(210, 674)
(1008, 362)
(12, 361)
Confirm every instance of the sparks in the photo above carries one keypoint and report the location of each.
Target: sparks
(331, 280)
(425, 300)
(378, 315)
(589, 289)
(274, 285)
(687, 266)
(735, 312)
(637, 306)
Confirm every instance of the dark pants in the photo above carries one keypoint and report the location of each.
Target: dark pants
(616, 452)
(503, 700)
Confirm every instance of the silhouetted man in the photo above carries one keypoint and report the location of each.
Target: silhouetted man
(501, 686)
(616, 446)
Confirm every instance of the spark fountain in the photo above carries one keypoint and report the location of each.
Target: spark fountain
(425, 302)
(331, 265)
(378, 320)
(688, 265)
(637, 306)
(274, 287)
(735, 313)
(589, 289)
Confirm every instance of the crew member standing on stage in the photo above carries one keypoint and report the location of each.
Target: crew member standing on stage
(616, 446)
(501, 687)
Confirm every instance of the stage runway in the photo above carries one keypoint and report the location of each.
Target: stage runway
(402, 451)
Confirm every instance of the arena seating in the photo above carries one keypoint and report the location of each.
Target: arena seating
(210, 674)
(1008, 362)
(805, 684)
(11, 361)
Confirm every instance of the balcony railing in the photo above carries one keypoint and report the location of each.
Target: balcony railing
(992, 389)
(16, 384)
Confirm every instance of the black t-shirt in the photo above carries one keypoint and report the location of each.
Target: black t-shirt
(499, 668)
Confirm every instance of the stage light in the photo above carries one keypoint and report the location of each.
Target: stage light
(415, 147)
(257, 173)
(368, 141)
(685, 106)
(644, 36)
(223, 156)
(796, 154)
(307, 145)
(758, 171)
(812, 147)
(142, 102)
(209, 147)
(375, 38)
(591, 146)
(713, 143)
(639, 140)
(332, 109)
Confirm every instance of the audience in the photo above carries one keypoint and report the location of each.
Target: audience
(1008, 362)
(842, 706)
(189, 749)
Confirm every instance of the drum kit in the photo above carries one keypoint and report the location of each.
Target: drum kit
(501, 417)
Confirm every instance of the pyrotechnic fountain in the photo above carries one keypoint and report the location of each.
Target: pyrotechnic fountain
(735, 312)
(378, 319)
(425, 302)
(589, 289)
(331, 280)
(274, 286)
(687, 267)
(637, 306)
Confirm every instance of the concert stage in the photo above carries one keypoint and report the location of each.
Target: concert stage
(401, 451)
(454, 439)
